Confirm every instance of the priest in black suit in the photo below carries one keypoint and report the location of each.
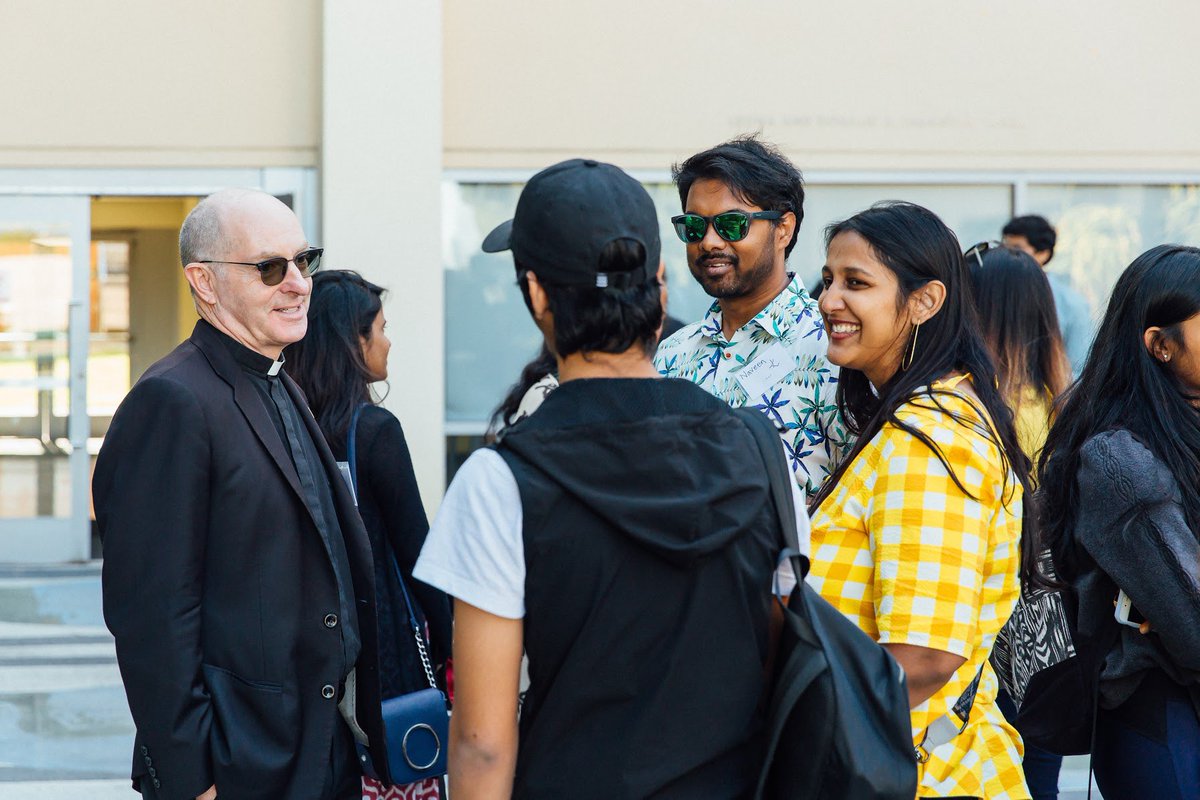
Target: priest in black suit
(237, 574)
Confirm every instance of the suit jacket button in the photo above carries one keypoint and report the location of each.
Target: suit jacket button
(157, 783)
(331, 620)
(153, 773)
(144, 750)
(328, 692)
(147, 760)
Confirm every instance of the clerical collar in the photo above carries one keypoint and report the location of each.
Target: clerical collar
(248, 359)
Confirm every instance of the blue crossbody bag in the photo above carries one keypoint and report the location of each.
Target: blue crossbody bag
(417, 724)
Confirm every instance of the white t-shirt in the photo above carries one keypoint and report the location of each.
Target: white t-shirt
(475, 550)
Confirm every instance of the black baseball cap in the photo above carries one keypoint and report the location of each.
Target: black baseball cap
(568, 213)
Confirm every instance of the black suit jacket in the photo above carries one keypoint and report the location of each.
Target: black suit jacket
(218, 588)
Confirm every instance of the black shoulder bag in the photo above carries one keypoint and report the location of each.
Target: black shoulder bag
(838, 723)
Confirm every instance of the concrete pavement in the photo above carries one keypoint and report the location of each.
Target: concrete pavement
(65, 729)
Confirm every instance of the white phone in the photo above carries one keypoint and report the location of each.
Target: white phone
(1125, 612)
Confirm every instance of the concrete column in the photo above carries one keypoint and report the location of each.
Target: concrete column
(381, 168)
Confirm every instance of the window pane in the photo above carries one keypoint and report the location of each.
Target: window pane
(489, 336)
(1101, 229)
(35, 294)
(974, 212)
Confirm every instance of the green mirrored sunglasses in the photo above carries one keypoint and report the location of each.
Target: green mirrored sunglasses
(732, 226)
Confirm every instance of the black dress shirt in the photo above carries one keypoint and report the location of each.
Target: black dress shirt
(318, 497)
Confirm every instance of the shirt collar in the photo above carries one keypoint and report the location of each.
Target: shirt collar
(247, 359)
(774, 320)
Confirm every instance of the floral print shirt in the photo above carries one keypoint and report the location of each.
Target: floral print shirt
(775, 363)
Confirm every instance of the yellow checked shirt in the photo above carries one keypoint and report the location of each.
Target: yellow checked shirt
(912, 559)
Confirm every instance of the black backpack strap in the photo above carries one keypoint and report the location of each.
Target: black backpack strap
(780, 483)
(796, 674)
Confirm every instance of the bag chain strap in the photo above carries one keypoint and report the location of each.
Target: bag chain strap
(421, 646)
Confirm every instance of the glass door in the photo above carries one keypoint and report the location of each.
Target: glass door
(44, 326)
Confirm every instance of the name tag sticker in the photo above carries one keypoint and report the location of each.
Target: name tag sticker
(768, 368)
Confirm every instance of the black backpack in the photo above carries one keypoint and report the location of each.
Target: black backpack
(838, 723)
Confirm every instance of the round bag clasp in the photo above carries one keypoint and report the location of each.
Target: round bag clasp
(437, 751)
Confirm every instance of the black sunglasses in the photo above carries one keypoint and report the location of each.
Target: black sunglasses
(732, 226)
(272, 270)
(976, 251)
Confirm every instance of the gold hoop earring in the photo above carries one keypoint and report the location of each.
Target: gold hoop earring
(906, 362)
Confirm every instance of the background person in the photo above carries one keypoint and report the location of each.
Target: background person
(761, 343)
(537, 380)
(1120, 476)
(343, 353)
(1019, 325)
(1035, 236)
(237, 575)
(917, 536)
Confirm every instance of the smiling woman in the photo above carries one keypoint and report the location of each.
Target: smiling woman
(917, 535)
(868, 329)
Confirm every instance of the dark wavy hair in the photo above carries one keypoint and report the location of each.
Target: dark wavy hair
(589, 319)
(753, 170)
(328, 362)
(917, 247)
(1036, 230)
(1123, 386)
(1019, 323)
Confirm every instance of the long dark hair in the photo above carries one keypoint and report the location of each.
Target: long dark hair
(917, 247)
(1123, 386)
(1019, 323)
(328, 362)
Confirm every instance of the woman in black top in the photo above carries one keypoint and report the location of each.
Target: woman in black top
(1120, 481)
(343, 353)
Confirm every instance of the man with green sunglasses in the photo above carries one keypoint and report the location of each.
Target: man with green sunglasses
(762, 342)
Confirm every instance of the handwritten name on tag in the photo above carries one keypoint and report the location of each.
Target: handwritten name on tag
(769, 367)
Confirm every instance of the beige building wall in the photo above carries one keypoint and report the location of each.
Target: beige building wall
(146, 83)
(869, 85)
(934, 84)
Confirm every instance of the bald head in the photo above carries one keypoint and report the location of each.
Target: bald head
(223, 216)
(222, 241)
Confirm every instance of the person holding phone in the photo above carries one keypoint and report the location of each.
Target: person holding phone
(1120, 476)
